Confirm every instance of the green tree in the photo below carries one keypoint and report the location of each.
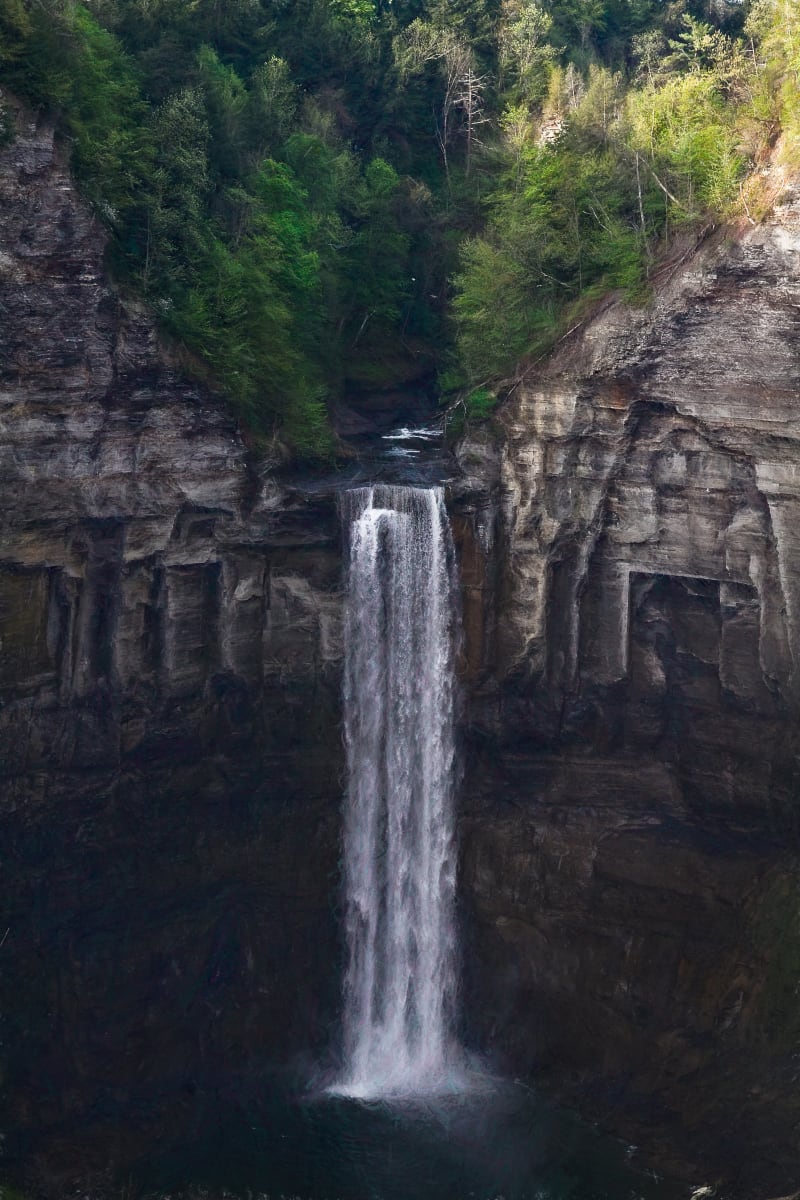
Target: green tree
(175, 208)
(525, 54)
(422, 45)
(15, 29)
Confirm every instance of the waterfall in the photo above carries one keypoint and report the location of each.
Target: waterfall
(401, 622)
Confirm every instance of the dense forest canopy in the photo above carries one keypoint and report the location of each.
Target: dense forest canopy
(320, 194)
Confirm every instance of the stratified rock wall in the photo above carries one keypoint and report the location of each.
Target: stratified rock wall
(169, 751)
(141, 556)
(633, 643)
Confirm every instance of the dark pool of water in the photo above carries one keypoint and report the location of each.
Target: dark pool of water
(499, 1142)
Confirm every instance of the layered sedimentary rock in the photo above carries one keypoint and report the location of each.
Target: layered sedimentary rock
(170, 752)
(631, 870)
(169, 746)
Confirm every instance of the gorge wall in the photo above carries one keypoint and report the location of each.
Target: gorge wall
(170, 759)
(170, 753)
(632, 564)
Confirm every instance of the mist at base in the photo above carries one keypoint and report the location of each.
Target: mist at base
(496, 1141)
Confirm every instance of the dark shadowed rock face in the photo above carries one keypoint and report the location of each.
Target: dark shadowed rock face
(630, 855)
(169, 750)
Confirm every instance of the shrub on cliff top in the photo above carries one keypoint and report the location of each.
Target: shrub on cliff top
(325, 191)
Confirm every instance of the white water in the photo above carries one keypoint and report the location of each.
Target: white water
(400, 640)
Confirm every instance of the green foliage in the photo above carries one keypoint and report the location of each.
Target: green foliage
(774, 26)
(75, 65)
(360, 11)
(480, 404)
(565, 224)
(684, 130)
(583, 194)
(467, 408)
(495, 313)
(271, 106)
(174, 201)
(315, 193)
(524, 52)
(265, 245)
(307, 430)
(378, 253)
(15, 30)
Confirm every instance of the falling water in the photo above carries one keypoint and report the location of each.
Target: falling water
(400, 636)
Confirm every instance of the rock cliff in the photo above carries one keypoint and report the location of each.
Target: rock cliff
(169, 746)
(170, 756)
(632, 597)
